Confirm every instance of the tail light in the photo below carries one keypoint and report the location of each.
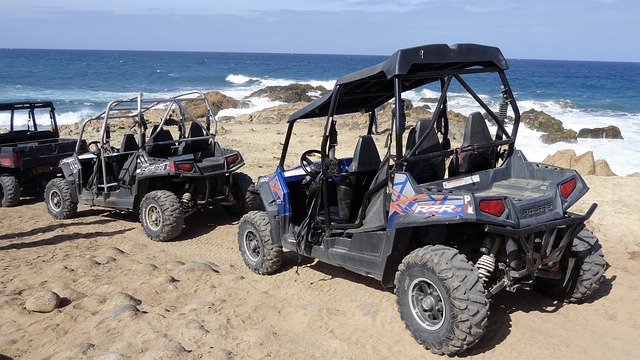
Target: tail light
(10, 161)
(493, 207)
(567, 187)
(185, 167)
(232, 159)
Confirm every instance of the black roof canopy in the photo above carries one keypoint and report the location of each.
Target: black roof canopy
(371, 87)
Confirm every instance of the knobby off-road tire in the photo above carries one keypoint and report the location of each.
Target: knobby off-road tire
(161, 215)
(57, 197)
(586, 274)
(441, 299)
(246, 200)
(9, 191)
(256, 246)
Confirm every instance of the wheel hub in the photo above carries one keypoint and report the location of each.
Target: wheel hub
(154, 217)
(55, 199)
(427, 304)
(251, 243)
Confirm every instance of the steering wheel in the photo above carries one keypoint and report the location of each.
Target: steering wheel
(96, 147)
(308, 166)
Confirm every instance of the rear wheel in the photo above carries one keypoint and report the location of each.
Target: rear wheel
(244, 199)
(161, 215)
(57, 197)
(583, 266)
(9, 191)
(258, 251)
(441, 299)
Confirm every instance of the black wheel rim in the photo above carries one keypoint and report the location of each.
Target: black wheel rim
(252, 245)
(427, 304)
(55, 200)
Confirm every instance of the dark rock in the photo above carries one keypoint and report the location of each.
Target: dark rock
(565, 135)
(217, 101)
(540, 121)
(291, 93)
(609, 132)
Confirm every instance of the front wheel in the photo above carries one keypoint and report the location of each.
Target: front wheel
(258, 251)
(161, 215)
(244, 199)
(441, 299)
(9, 191)
(57, 197)
(583, 266)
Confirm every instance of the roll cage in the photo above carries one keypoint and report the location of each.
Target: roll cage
(135, 107)
(365, 90)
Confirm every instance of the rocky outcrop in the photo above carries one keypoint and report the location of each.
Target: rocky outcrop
(272, 115)
(609, 132)
(218, 101)
(585, 164)
(541, 121)
(552, 127)
(292, 93)
(564, 135)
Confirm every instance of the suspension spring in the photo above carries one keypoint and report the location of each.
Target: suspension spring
(187, 202)
(485, 265)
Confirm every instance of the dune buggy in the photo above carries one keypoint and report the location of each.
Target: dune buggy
(162, 176)
(30, 149)
(448, 227)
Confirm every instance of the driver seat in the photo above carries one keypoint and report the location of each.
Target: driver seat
(365, 156)
(361, 171)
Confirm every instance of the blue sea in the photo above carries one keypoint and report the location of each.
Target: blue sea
(82, 82)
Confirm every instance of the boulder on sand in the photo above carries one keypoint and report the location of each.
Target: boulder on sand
(584, 164)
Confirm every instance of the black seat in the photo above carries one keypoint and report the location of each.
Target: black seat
(424, 170)
(128, 145)
(155, 148)
(363, 167)
(365, 155)
(192, 146)
(476, 133)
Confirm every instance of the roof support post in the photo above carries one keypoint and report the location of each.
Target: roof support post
(399, 122)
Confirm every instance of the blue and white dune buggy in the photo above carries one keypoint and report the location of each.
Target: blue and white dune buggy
(447, 237)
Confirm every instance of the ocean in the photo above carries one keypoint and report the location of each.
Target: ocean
(582, 94)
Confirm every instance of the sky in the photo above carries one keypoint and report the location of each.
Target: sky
(604, 30)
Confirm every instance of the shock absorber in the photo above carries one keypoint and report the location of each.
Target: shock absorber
(187, 202)
(486, 264)
(504, 106)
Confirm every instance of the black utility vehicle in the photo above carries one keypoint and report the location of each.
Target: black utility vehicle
(30, 149)
(447, 237)
(161, 177)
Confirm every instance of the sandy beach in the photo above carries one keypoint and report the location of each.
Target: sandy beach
(125, 296)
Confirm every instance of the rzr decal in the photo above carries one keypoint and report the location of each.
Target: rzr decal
(405, 201)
